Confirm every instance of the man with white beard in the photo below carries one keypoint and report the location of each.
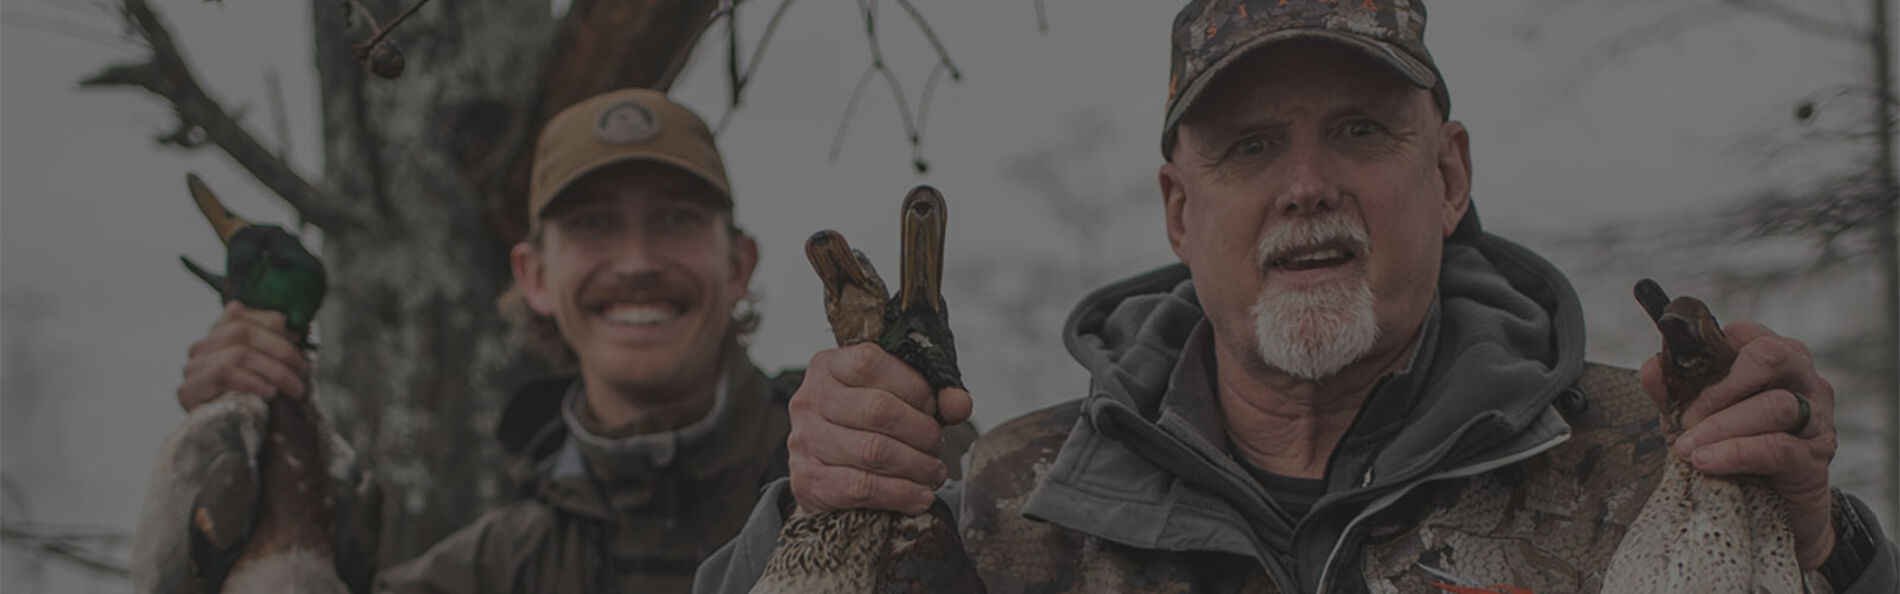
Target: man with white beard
(1346, 385)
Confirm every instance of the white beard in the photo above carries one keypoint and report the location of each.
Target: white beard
(1313, 333)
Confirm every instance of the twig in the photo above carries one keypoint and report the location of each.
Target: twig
(752, 65)
(67, 551)
(359, 8)
(850, 106)
(931, 34)
(1801, 21)
(381, 32)
(276, 91)
(167, 75)
(1674, 23)
(903, 104)
(1042, 18)
(912, 126)
(733, 75)
(679, 60)
(56, 26)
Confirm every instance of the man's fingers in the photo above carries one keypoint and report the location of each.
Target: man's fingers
(826, 488)
(237, 368)
(236, 310)
(1763, 364)
(870, 452)
(249, 335)
(1772, 412)
(1741, 332)
(954, 405)
(880, 412)
(866, 365)
(1792, 464)
(1651, 377)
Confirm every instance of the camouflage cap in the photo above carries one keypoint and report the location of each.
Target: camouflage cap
(1210, 35)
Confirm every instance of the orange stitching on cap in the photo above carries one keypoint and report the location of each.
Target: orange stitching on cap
(1211, 30)
(1370, 5)
(1243, 11)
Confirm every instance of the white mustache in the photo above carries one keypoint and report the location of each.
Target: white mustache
(1307, 234)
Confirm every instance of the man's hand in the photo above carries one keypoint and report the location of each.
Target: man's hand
(864, 434)
(1740, 426)
(247, 350)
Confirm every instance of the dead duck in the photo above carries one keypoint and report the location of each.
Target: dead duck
(242, 496)
(1700, 533)
(864, 551)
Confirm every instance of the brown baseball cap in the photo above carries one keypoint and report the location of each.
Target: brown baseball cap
(1211, 35)
(618, 127)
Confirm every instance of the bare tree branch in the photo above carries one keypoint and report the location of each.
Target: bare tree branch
(913, 127)
(58, 26)
(65, 550)
(752, 65)
(382, 32)
(850, 107)
(1803, 22)
(278, 118)
(931, 34)
(167, 75)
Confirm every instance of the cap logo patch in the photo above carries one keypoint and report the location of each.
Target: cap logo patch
(626, 122)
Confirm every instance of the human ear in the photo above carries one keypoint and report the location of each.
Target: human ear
(1454, 167)
(525, 261)
(1174, 203)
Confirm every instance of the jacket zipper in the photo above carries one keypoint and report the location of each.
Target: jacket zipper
(1332, 559)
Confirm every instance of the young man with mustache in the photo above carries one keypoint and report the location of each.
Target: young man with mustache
(647, 459)
(1346, 385)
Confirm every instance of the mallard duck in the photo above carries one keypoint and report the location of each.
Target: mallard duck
(242, 498)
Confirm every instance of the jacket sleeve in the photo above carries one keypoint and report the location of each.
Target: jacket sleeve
(1882, 575)
(734, 568)
(489, 555)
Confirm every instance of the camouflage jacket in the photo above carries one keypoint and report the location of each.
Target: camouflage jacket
(1543, 517)
(635, 514)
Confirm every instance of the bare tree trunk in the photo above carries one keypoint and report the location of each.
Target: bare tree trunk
(416, 360)
(1880, 42)
(413, 364)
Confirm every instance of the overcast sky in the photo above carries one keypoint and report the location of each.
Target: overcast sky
(93, 215)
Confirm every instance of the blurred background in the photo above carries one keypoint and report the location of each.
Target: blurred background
(1727, 148)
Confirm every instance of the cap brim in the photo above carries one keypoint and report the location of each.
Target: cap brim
(1412, 69)
(554, 196)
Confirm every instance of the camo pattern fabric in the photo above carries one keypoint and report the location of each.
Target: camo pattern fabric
(1208, 30)
(1547, 524)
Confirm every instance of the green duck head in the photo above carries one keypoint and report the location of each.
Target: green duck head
(265, 266)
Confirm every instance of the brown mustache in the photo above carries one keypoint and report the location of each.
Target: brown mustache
(635, 288)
